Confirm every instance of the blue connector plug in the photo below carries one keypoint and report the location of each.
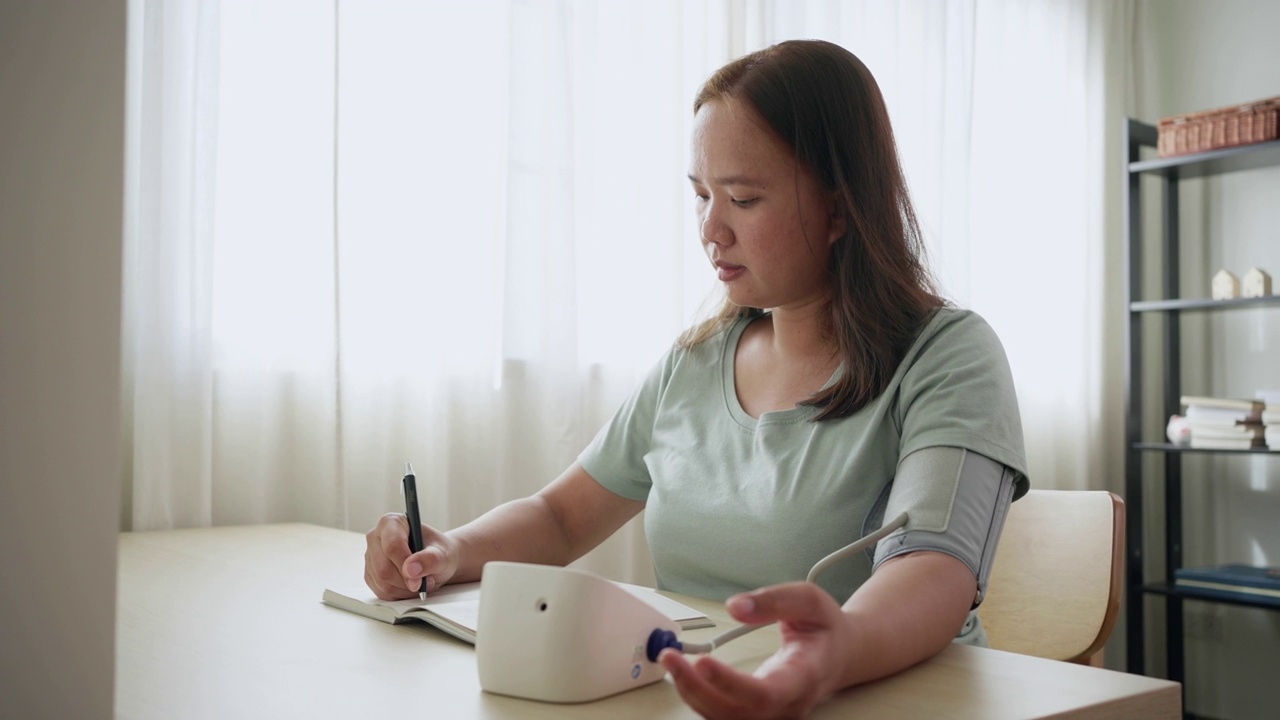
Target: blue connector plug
(660, 639)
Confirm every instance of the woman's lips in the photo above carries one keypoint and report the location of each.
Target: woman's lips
(729, 273)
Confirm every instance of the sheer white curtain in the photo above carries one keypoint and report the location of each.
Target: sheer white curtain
(167, 368)
(457, 233)
(451, 233)
(1007, 114)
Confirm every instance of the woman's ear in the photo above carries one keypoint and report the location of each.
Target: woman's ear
(836, 222)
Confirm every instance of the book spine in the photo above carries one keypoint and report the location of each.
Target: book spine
(1228, 583)
(1228, 403)
(1229, 594)
(1191, 576)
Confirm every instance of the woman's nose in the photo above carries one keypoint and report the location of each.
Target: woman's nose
(713, 229)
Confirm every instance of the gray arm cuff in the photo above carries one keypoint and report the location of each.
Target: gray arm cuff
(964, 522)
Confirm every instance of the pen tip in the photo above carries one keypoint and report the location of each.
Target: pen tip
(422, 596)
(408, 468)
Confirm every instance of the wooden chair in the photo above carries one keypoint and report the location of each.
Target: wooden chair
(1054, 591)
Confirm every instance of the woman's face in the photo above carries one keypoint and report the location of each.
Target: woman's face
(766, 223)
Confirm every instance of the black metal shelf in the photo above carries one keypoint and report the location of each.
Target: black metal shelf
(1202, 304)
(1207, 596)
(1141, 139)
(1168, 447)
(1214, 162)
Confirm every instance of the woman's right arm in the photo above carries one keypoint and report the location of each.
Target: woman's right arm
(556, 526)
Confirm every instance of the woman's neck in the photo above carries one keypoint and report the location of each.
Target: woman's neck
(800, 333)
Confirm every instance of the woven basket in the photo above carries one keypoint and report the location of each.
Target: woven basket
(1223, 127)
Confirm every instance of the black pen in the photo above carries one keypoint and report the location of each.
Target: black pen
(415, 523)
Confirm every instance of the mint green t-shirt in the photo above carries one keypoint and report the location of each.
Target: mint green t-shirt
(734, 503)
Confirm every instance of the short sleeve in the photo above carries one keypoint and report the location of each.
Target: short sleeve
(958, 391)
(615, 458)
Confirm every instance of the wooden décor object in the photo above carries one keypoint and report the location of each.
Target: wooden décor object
(1256, 283)
(1225, 286)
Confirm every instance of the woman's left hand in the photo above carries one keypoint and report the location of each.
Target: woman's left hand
(809, 665)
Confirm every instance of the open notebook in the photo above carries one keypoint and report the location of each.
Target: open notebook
(455, 609)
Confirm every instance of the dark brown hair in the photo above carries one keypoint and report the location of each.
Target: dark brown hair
(823, 102)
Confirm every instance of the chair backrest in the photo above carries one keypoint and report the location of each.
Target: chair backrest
(1054, 590)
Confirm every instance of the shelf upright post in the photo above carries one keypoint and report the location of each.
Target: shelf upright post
(1136, 135)
(1172, 404)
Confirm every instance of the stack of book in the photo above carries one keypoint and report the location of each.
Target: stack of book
(1232, 582)
(1224, 423)
(1271, 422)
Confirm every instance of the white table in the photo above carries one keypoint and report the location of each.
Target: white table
(228, 623)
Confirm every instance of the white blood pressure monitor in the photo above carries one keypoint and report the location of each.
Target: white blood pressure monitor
(562, 635)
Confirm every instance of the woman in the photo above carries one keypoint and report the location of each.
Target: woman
(833, 390)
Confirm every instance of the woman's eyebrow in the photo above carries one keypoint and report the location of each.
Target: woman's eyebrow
(732, 180)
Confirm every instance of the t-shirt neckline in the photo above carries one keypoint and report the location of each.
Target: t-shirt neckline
(729, 386)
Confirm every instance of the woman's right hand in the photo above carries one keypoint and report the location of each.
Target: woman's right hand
(392, 573)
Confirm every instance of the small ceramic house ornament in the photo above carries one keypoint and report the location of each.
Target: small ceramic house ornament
(1256, 283)
(1225, 286)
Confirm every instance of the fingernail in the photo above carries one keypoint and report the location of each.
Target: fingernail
(742, 604)
(670, 665)
(414, 568)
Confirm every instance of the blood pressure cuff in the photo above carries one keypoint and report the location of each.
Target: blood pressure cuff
(956, 502)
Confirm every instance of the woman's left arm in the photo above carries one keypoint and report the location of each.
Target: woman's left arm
(906, 612)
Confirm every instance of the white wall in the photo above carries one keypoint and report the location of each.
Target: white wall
(62, 76)
(1195, 55)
